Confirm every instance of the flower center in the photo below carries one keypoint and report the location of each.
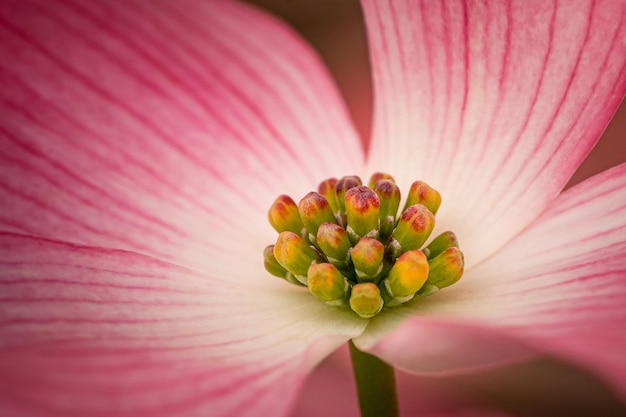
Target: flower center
(349, 247)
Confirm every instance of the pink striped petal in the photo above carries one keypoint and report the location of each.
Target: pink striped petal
(493, 103)
(99, 332)
(161, 127)
(559, 287)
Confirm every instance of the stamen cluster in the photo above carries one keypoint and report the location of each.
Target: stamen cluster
(347, 244)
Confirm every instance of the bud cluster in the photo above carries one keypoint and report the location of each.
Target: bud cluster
(348, 245)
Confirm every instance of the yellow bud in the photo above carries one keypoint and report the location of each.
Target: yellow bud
(326, 283)
(362, 212)
(365, 300)
(315, 210)
(333, 241)
(327, 189)
(271, 264)
(283, 215)
(414, 227)
(294, 254)
(377, 176)
(341, 188)
(406, 277)
(389, 195)
(446, 268)
(424, 194)
(367, 257)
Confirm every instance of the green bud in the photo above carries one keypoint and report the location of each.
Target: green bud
(333, 240)
(445, 270)
(377, 176)
(389, 195)
(294, 254)
(328, 284)
(424, 194)
(315, 210)
(367, 257)
(362, 212)
(284, 216)
(271, 264)
(406, 277)
(349, 245)
(327, 189)
(414, 227)
(342, 187)
(440, 243)
(365, 299)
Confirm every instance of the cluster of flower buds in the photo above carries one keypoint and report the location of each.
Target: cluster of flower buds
(348, 245)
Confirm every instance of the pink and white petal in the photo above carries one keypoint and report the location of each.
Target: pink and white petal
(91, 331)
(559, 288)
(330, 391)
(413, 339)
(161, 127)
(493, 103)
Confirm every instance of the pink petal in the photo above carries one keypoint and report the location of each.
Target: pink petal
(436, 345)
(559, 288)
(493, 103)
(89, 331)
(330, 391)
(161, 128)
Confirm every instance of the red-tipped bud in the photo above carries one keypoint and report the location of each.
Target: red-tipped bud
(284, 216)
(315, 210)
(422, 193)
(367, 257)
(414, 227)
(342, 187)
(333, 240)
(445, 270)
(327, 189)
(365, 300)
(294, 254)
(389, 195)
(362, 212)
(377, 176)
(440, 243)
(326, 283)
(406, 277)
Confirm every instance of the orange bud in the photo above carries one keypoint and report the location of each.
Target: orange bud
(362, 212)
(424, 194)
(283, 215)
(414, 227)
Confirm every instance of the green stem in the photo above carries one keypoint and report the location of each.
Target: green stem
(375, 384)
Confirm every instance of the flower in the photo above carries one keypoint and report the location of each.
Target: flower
(142, 145)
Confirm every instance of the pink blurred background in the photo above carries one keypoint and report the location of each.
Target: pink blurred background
(544, 387)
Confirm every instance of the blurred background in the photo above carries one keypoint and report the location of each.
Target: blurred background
(544, 387)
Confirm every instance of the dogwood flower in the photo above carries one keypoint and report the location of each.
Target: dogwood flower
(143, 142)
